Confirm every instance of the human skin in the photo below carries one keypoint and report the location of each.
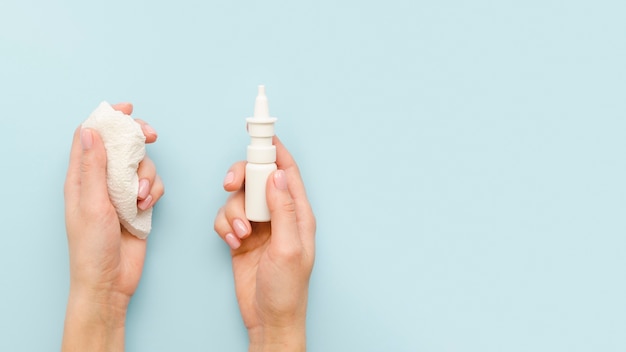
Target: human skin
(106, 261)
(272, 262)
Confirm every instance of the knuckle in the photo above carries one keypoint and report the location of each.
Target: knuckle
(289, 207)
(233, 207)
(219, 223)
(86, 164)
(147, 168)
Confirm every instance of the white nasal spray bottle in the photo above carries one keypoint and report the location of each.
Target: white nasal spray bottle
(261, 159)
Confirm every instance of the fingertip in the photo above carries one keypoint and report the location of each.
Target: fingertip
(223, 229)
(229, 179)
(146, 203)
(232, 241)
(280, 147)
(157, 190)
(148, 131)
(125, 107)
(242, 228)
(284, 160)
(90, 139)
(144, 189)
(235, 177)
(280, 180)
(86, 138)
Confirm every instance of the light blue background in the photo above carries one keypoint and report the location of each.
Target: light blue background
(465, 161)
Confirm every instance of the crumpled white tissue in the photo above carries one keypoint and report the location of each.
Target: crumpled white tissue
(125, 145)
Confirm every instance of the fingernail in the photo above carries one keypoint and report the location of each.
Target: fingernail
(86, 138)
(280, 179)
(144, 188)
(240, 228)
(149, 130)
(232, 241)
(230, 177)
(145, 204)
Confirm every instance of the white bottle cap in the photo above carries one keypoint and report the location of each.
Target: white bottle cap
(261, 130)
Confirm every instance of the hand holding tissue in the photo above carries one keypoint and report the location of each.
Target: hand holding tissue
(124, 142)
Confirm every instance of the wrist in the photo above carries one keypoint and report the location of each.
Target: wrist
(101, 300)
(94, 321)
(285, 338)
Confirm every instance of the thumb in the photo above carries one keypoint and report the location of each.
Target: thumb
(282, 211)
(93, 163)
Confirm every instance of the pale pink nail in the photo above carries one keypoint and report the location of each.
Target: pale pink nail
(145, 204)
(230, 177)
(240, 228)
(144, 188)
(280, 180)
(232, 241)
(86, 138)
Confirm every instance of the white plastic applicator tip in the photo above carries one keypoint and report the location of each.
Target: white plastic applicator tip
(261, 107)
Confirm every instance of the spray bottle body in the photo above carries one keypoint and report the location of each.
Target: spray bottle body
(256, 181)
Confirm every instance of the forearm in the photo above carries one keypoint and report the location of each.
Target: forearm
(288, 339)
(94, 323)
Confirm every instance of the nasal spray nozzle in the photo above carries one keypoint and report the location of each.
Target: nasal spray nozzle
(261, 157)
(261, 107)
